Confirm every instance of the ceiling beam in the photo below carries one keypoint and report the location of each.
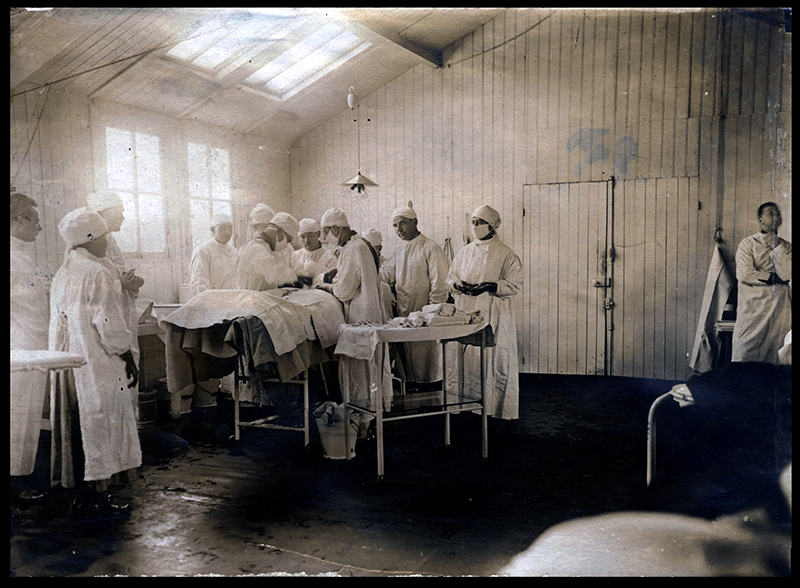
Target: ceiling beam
(373, 31)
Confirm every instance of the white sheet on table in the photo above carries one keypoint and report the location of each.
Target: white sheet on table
(326, 313)
(288, 324)
(290, 316)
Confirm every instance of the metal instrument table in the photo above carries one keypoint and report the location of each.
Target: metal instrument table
(444, 334)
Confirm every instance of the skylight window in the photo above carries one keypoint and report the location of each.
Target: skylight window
(314, 61)
(292, 52)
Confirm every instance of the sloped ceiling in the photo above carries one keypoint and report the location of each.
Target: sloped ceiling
(121, 55)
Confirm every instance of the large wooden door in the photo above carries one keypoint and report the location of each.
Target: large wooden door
(566, 324)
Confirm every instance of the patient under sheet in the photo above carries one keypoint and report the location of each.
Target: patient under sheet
(279, 332)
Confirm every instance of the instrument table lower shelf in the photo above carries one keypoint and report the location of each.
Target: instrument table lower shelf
(438, 399)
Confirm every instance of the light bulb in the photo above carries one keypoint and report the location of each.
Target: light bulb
(351, 98)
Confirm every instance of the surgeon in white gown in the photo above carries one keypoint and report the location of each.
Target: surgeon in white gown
(484, 276)
(213, 264)
(357, 286)
(312, 259)
(418, 271)
(87, 318)
(30, 312)
(263, 262)
(110, 207)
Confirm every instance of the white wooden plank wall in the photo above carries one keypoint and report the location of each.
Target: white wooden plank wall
(66, 161)
(690, 110)
(556, 96)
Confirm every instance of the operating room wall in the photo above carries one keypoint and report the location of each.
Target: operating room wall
(58, 157)
(689, 110)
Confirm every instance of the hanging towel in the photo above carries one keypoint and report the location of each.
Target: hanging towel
(719, 284)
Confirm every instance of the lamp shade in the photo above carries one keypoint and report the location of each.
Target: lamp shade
(359, 180)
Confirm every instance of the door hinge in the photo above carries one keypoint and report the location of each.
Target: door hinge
(608, 303)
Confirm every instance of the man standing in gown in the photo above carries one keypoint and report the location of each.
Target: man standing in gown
(95, 432)
(357, 286)
(764, 308)
(484, 276)
(213, 265)
(312, 259)
(30, 312)
(417, 271)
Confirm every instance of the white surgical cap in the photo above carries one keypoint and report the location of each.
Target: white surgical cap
(487, 213)
(221, 219)
(374, 237)
(309, 225)
(261, 214)
(334, 217)
(81, 226)
(403, 212)
(287, 223)
(103, 200)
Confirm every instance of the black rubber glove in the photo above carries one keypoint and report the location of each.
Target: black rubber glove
(329, 275)
(484, 287)
(464, 287)
(131, 370)
(773, 279)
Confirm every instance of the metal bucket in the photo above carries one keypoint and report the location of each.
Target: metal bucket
(148, 412)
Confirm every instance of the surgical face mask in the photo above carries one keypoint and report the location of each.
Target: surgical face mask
(331, 238)
(480, 231)
(281, 244)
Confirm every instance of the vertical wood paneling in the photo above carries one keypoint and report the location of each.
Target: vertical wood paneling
(672, 285)
(585, 321)
(500, 114)
(499, 117)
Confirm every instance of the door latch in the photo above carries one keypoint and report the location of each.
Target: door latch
(601, 282)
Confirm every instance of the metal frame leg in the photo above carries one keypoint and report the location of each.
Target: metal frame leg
(236, 409)
(444, 396)
(651, 436)
(484, 416)
(306, 409)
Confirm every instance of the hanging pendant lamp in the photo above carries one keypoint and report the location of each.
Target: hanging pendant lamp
(358, 182)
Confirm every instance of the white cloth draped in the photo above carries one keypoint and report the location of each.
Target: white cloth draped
(30, 313)
(719, 285)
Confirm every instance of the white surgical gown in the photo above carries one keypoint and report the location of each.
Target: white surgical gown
(29, 330)
(213, 267)
(312, 263)
(260, 268)
(489, 261)
(763, 313)
(358, 287)
(418, 272)
(86, 317)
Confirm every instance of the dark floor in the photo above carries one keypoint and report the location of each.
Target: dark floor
(266, 505)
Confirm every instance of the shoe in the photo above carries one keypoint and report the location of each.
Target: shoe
(99, 507)
(21, 492)
(30, 495)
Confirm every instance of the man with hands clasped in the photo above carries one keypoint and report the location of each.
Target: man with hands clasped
(764, 307)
